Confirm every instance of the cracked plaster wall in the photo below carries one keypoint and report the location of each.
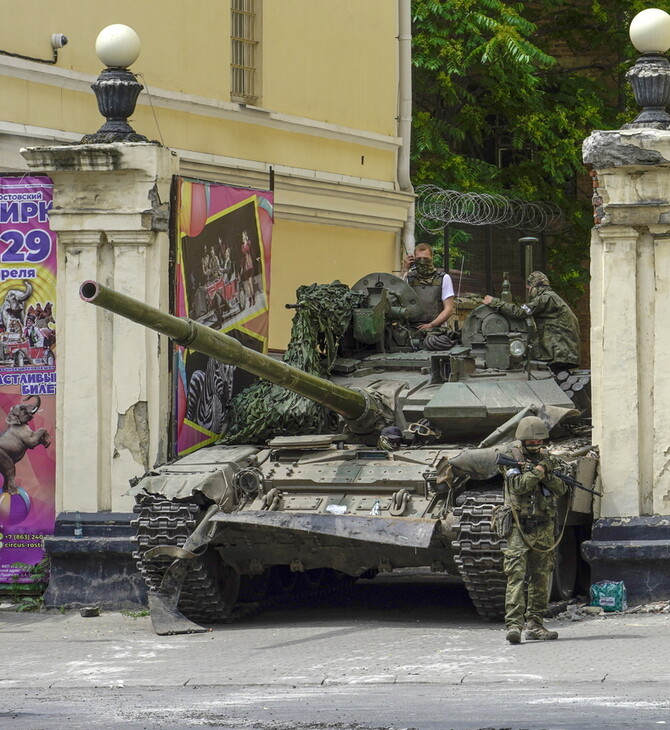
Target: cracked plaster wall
(132, 434)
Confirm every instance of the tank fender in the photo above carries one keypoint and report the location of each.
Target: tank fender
(216, 485)
(210, 471)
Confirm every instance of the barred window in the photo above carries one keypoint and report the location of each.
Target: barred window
(244, 51)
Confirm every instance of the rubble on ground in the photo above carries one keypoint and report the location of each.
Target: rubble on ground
(657, 607)
(578, 609)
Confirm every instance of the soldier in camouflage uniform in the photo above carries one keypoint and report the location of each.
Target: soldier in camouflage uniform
(557, 326)
(531, 490)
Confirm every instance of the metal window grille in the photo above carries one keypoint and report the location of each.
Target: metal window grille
(243, 51)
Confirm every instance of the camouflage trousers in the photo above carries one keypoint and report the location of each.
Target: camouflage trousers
(528, 574)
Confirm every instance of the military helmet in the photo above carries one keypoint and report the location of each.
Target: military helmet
(531, 428)
(537, 278)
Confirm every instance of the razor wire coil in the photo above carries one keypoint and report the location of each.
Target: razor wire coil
(436, 207)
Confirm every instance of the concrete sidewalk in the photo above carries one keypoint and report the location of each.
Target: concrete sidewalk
(329, 646)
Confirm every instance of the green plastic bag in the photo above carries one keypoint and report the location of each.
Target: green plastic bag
(609, 595)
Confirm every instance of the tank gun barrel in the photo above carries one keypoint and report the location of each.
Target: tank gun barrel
(350, 404)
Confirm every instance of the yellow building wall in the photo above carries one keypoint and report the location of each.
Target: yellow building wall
(185, 46)
(330, 60)
(303, 253)
(335, 65)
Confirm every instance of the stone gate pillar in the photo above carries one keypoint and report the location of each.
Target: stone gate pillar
(110, 211)
(630, 353)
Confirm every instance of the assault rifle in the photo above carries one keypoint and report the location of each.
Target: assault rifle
(565, 478)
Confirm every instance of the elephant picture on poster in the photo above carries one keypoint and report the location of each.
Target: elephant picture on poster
(17, 438)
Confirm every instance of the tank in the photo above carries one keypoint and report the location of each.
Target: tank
(236, 526)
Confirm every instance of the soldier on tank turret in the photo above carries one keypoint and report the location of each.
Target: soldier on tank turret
(557, 326)
(531, 491)
(435, 291)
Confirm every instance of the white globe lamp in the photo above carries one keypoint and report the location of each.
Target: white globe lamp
(650, 31)
(117, 46)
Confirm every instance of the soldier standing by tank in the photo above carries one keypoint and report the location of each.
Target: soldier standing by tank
(531, 490)
(435, 291)
(557, 326)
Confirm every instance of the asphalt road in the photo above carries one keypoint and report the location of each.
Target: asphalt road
(373, 707)
(391, 655)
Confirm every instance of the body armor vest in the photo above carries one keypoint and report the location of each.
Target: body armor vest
(430, 295)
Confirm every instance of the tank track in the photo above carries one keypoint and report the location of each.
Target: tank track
(164, 522)
(478, 554)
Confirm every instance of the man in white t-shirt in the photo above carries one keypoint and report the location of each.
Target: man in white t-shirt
(435, 291)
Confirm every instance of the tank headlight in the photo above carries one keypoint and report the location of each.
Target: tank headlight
(249, 481)
(517, 348)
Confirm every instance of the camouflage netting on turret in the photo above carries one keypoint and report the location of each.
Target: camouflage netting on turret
(265, 410)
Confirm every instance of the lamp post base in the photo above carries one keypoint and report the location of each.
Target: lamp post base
(650, 81)
(116, 91)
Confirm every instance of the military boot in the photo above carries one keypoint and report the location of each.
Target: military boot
(535, 631)
(514, 635)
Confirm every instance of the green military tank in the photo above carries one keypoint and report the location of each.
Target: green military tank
(235, 526)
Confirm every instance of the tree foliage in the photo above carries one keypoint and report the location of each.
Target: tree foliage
(532, 78)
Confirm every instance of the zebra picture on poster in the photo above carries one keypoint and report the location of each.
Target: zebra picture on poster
(209, 392)
(222, 280)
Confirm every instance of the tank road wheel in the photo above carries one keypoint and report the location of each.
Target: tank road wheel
(210, 588)
(478, 554)
(564, 576)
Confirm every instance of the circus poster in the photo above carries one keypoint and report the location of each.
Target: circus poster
(222, 280)
(27, 375)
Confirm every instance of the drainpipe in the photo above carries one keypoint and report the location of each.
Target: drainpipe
(405, 115)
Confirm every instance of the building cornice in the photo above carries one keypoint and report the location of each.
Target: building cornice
(301, 195)
(211, 167)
